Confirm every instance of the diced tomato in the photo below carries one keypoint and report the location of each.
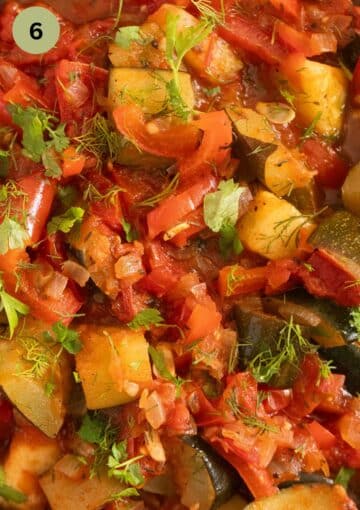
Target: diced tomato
(349, 427)
(7, 421)
(281, 275)
(276, 400)
(73, 162)
(173, 141)
(288, 8)
(196, 223)
(78, 86)
(241, 392)
(215, 145)
(176, 207)
(330, 278)
(323, 437)
(204, 320)
(309, 44)
(248, 36)
(330, 167)
(237, 280)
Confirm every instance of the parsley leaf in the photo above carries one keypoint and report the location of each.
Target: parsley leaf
(130, 492)
(68, 338)
(211, 92)
(344, 476)
(93, 428)
(122, 468)
(221, 213)
(65, 222)
(178, 42)
(355, 319)
(130, 232)
(127, 35)
(12, 235)
(12, 307)
(8, 493)
(146, 318)
(41, 139)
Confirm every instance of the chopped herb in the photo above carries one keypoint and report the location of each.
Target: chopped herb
(67, 195)
(290, 348)
(254, 421)
(146, 318)
(344, 476)
(9, 493)
(178, 43)
(309, 131)
(94, 195)
(65, 222)
(233, 358)
(12, 235)
(12, 307)
(66, 337)
(158, 360)
(127, 35)
(42, 139)
(309, 267)
(120, 467)
(39, 356)
(355, 319)
(221, 213)
(288, 96)
(76, 377)
(159, 197)
(130, 232)
(49, 388)
(211, 92)
(232, 280)
(130, 492)
(207, 11)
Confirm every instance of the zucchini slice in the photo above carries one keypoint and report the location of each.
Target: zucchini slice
(330, 324)
(339, 234)
(201, 475)
(259, 333)
(351, 190)
(306, 497)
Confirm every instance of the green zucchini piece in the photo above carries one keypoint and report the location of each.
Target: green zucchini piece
(339, 234)
(346, 359)
(330, 324)
(317, 496)
(259, 333)
(351, 190)
(305, 478)
(203, 476)
(351, 52)
(308, 199)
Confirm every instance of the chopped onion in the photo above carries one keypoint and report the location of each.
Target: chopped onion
(56, 285)
(71, 467)
(154, 446)
(277, 113)
(154, 409)
(76, 272)
(77, 93)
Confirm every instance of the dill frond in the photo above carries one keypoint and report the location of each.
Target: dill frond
(159, 197)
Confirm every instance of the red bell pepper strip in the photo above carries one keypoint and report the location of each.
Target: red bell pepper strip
(175, 208)
(237, 280)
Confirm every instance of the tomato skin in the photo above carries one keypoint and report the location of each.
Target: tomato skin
(174, 142)
(175, 208)
(204, 320)
(247, 36)
(277, 400)
(288, 8)
(323, 437)
(331, 169)
(73, 162)
(246, 281)
(76, 84)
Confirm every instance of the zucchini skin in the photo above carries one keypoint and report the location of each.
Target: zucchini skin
(225, 479)
(346, 359)
(351, 52)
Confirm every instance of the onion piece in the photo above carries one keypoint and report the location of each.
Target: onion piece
(76, 272)
(154, 409)
(56, 285)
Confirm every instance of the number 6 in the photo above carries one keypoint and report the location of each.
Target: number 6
(35, 32)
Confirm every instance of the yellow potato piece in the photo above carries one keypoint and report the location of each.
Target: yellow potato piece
(110, 365)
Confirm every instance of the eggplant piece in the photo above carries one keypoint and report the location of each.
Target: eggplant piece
(351, 52)
(339, 234)
(202, 476)
(259, 333)
(306, 497)
(330, 324)
(346, 359)
(305, 478)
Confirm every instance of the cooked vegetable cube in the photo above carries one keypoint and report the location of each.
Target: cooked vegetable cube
(320, 93)
(30, 455)
(63, 492)
(35, 379)
(113, 362)
(272, 227)
(146, 88)
(351, 190)
(223, 65)
(306, 497)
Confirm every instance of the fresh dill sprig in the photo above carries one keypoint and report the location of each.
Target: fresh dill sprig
(309, 131)
(100, 140)
(207, 11)
(159, 197)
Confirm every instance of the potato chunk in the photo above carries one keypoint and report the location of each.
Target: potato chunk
(271, 227)
(320, 93)
(35, 379)
(113, 365)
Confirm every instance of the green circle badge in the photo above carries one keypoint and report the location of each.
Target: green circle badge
(36, 30)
